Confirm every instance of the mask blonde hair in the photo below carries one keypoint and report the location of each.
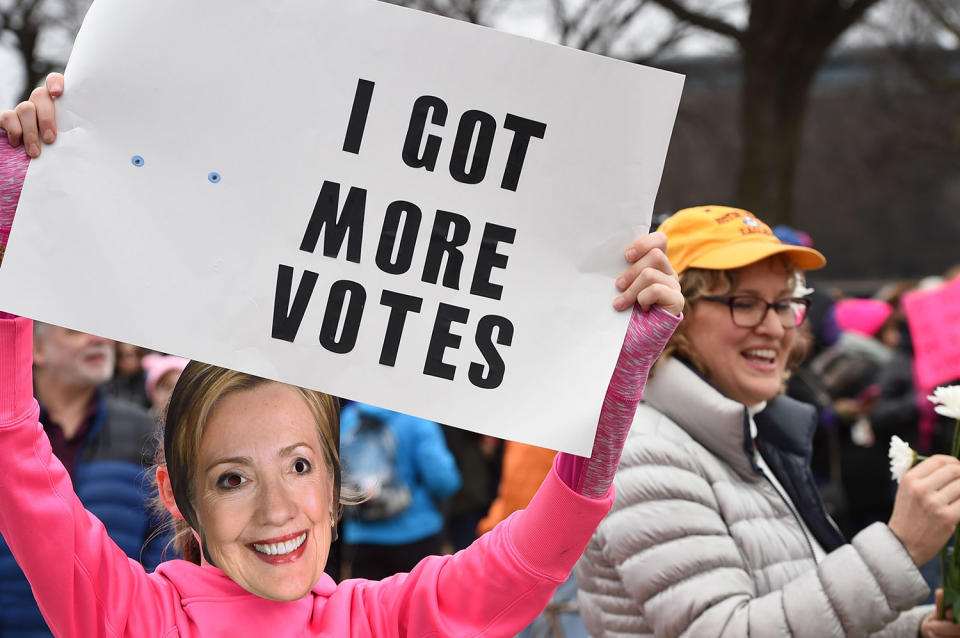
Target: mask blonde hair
(198, 391)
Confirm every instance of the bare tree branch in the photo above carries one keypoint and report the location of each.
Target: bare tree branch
(679, 31)
(23, 24)
(606, 30)
(939, 11)
(702, 20)
(563, 24)
(848, 16)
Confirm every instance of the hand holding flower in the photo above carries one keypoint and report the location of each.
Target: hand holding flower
(933, 627)
(902, 458)
(927, 507)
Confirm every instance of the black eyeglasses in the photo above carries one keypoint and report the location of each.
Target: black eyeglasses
(748, 311)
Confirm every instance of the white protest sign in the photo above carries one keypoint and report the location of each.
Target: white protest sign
(371, 201)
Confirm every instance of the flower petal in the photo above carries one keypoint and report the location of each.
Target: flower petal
(901, 456)
(948, 411)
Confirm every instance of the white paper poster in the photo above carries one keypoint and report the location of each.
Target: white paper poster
(371, 201)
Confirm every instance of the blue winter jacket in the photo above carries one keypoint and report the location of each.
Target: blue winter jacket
(425, 464)
(113, 482)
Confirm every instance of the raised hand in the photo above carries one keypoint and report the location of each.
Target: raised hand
(650, 286)
(34, 120)
(650, 279)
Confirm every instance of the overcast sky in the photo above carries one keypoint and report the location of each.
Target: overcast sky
(527, 18)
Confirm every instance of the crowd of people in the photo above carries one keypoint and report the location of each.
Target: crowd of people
(752, 497)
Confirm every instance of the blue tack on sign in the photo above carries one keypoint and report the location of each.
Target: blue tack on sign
(137, 161)
(214, 177)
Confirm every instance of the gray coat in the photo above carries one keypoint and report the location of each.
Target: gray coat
(699, 543)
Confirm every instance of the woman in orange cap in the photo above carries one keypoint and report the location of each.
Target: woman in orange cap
(718, 528)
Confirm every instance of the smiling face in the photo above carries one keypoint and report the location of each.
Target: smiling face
(746, 364)
(263, 492)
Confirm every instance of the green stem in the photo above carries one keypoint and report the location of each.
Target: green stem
(946, 578)
(941, 609)
(956, 439)
(953, 558)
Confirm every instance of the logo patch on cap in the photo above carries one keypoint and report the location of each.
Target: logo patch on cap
(754, 227)
(728, 217)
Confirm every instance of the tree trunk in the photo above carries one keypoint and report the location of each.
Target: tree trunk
(774, 99)
(783, 46)
(27, 41)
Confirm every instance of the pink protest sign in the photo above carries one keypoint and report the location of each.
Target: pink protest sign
(934, 318)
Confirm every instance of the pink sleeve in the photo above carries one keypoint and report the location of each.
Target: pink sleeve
(646, 337)
(16, 371)
(84, 584)
(13, 168)
(506, 577)
(497, 585)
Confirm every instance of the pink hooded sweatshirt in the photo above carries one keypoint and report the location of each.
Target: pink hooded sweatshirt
(86, 586)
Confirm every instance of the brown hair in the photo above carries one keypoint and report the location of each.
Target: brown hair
(696, 283)
(198, 391)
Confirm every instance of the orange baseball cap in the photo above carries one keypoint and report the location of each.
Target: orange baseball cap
(721, 238)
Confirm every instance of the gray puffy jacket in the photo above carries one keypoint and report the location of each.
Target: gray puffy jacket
(700, 543)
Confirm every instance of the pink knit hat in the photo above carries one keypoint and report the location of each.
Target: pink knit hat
(865, 316)
(13, 168)
(157, 365)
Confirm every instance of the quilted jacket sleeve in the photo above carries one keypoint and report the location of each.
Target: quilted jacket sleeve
(666, 562)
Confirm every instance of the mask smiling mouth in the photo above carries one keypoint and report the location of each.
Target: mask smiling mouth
(283, 547)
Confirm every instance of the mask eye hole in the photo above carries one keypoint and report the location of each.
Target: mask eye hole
(214, 177)
(301, 466)
(230, 480)
(137, 161)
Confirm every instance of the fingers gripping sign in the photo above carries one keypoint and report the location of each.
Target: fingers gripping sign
(28, 123)
(650, 279)
(33, 120)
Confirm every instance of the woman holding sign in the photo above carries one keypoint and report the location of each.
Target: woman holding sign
(249, 469)
(718, 528)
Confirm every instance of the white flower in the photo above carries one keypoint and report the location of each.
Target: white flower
(902, 457)
(947, 399)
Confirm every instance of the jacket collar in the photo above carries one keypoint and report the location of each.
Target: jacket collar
(716, 422)
(797, 438)
(785, 431)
